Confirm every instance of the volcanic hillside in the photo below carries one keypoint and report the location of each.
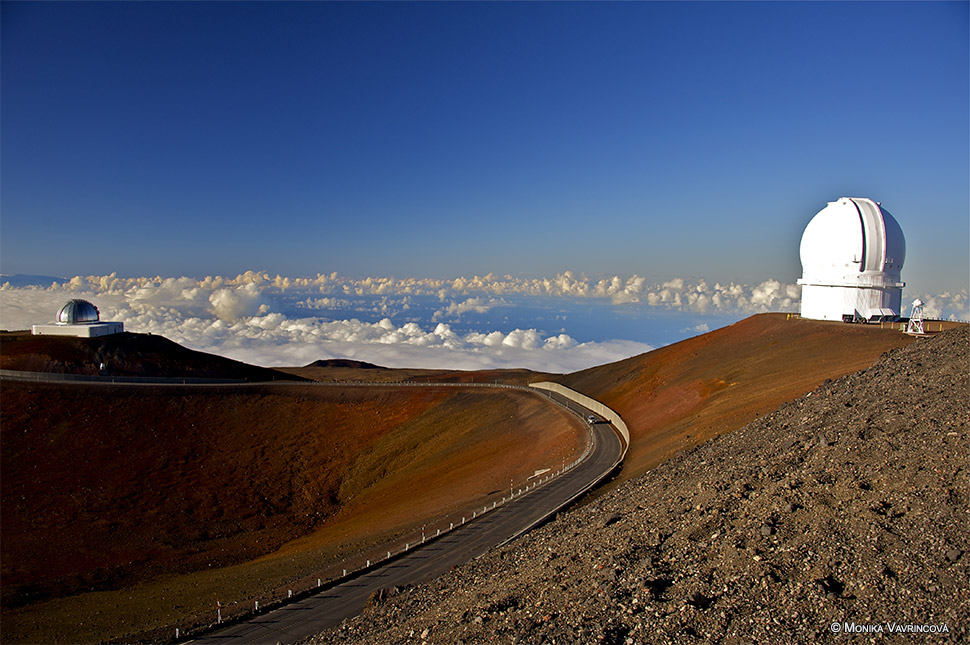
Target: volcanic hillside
(357, 371)
(844, 510)
(130, 508)
(686, 393)
(126, 354)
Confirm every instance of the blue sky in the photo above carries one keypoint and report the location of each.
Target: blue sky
(449, 139)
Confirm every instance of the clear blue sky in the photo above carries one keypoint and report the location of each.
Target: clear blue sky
(447, 139)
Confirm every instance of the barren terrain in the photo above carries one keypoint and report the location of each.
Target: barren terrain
(841, 516)
(691, 391)
(131, 509)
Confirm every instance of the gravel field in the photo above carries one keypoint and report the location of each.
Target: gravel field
(845, 508)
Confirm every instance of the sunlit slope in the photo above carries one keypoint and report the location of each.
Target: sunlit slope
(109, 494)
(690, 391)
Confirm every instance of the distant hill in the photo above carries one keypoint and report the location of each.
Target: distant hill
(348, 370)
(345, 362)
(127, 354)
(25, 280)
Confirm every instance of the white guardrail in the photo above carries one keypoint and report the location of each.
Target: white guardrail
(363, 564)
(346, 572)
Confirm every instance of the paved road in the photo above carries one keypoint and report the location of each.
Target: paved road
(313, 614)
(326, 609)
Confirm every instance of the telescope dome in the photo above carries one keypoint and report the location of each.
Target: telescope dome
(851, 241)
(78, 312)
(852, 253)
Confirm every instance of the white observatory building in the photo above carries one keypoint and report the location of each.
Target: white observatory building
(852, 253)
(78, 318)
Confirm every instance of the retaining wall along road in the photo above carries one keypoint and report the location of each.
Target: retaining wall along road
(591, 404)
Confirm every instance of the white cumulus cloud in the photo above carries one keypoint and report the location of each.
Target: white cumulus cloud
(277, 320)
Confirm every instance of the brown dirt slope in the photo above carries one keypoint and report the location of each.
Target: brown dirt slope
(346, 371)
(126, 354)
(846, 507)
(696, 389)
(117, 496)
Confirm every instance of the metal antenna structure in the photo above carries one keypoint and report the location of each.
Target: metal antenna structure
(916, 318)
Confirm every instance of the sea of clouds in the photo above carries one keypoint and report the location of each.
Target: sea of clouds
(559, 324)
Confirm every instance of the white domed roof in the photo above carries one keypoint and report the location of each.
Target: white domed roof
(76, 312)
(852, 241)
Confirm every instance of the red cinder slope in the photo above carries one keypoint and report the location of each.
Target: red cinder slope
(704, 386)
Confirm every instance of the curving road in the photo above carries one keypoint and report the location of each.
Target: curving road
(315, 613)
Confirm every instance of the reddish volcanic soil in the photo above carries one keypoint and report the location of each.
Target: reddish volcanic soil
(128, 509)
(686, 393)
(116, 497)
(343, 371)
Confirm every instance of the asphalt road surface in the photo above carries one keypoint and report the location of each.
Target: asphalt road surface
(316, 613)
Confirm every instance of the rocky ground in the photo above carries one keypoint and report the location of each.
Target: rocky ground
(848, 506)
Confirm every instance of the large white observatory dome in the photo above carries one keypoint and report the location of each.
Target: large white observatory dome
(852, 253)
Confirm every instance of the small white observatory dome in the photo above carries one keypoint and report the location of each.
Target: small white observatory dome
(852, 253)
(76, 312)
(78, 318)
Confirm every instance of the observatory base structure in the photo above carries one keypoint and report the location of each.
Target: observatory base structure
(90, 330)
(835, 302)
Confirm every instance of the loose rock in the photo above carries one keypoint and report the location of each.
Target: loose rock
(862, 488)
